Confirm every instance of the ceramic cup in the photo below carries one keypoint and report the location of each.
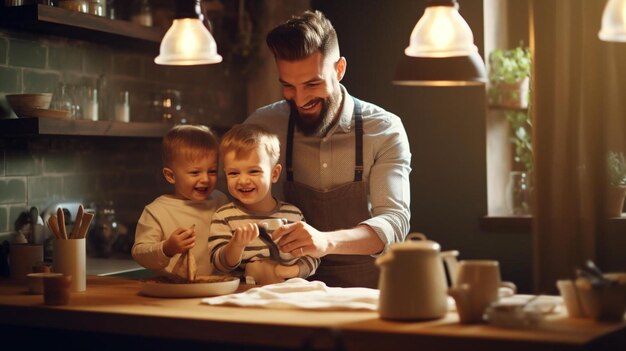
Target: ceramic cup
(69, 258)
(56, 289)
(571, 298)
(477, 286)
(22, 258)
(271, 224)
(34, 281)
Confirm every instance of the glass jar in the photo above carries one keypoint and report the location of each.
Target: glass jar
(167, 105)
(518, 194)
(105, 231)
(62, 100)
(142, 13)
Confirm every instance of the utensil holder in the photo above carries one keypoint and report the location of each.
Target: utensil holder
(69, 258)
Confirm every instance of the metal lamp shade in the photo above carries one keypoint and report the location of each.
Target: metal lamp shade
(441, 71)
(614, 21)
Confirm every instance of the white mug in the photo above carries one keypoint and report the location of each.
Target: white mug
(271, 224)
(477, 286)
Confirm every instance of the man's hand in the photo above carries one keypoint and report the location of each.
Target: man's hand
(181, 240)
(300, 239)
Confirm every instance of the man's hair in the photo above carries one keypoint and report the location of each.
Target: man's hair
(302, 36)
(190, 141)
(243, 138)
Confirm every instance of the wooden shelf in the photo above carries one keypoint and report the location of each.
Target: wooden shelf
(506, 224)
(72, 24)
(28, 127)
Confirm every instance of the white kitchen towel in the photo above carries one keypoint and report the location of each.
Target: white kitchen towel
(297, 293)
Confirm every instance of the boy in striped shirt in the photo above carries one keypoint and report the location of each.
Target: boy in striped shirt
(238, 241)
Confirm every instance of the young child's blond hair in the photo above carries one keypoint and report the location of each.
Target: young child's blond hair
(243, 138)
(189, 141)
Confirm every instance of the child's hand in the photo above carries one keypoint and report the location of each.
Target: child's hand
(244, 235)
(181, 240)
(286, 272)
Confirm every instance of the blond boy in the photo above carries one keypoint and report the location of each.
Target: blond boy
(175, 223)
(250, 156)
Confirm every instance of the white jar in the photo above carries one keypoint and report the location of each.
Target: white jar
(122, 108)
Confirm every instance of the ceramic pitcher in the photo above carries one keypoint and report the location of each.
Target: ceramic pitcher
(412, 280)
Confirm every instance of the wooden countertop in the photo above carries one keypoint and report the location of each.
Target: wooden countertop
(114, 305)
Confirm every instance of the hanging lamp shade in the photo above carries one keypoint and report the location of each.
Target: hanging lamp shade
(441, 50)
(188, 42)
(614, 21)
(441, 71)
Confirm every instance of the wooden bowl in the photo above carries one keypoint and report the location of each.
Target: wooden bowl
(24, 104)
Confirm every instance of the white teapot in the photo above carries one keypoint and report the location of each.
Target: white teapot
(413, 280)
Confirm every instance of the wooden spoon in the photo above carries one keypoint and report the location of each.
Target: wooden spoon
(61, 220)
(77, 222)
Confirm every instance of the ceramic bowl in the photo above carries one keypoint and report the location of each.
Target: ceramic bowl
(24, 104)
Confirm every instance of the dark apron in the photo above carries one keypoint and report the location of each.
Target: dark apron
(340, 208)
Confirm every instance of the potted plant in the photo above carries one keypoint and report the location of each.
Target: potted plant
(616, 171)
(509, 76)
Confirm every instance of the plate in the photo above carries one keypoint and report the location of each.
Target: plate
(160, 289)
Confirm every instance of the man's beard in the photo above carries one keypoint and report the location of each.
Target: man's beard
(317, 126)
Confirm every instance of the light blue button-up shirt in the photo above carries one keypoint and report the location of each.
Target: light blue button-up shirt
(325, 163)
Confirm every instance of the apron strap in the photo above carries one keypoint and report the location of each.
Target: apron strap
(289, 151)
(358, 135)
(358, 142)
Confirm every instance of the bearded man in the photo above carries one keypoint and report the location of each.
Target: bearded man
(347, 161)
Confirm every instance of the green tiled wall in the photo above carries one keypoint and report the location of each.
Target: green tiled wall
(65, 58)
(10, 80)
(38, 82)
(4, 220)
(13, 190)
(21, 163)
(26, 53)
(3, 51)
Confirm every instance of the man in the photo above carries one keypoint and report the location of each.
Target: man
(347, 161)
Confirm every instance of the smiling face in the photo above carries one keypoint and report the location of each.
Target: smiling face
(311, 86)
(194, 176)
(249, 176)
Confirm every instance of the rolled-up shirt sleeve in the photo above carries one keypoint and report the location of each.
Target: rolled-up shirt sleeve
(389, 185)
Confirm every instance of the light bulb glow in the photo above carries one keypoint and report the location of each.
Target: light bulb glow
(188, 42)
(441, 32)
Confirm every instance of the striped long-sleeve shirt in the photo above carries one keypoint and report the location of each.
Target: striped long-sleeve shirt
(230, 216)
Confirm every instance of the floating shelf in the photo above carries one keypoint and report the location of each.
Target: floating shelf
(72, 24)
(29, 127)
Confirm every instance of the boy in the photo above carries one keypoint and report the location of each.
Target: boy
(175, 223)
(250, 156)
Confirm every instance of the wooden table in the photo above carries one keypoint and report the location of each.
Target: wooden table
(112, 315)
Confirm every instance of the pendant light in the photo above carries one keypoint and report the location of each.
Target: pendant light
(614, 21)
(441, 50)
(188, 42)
